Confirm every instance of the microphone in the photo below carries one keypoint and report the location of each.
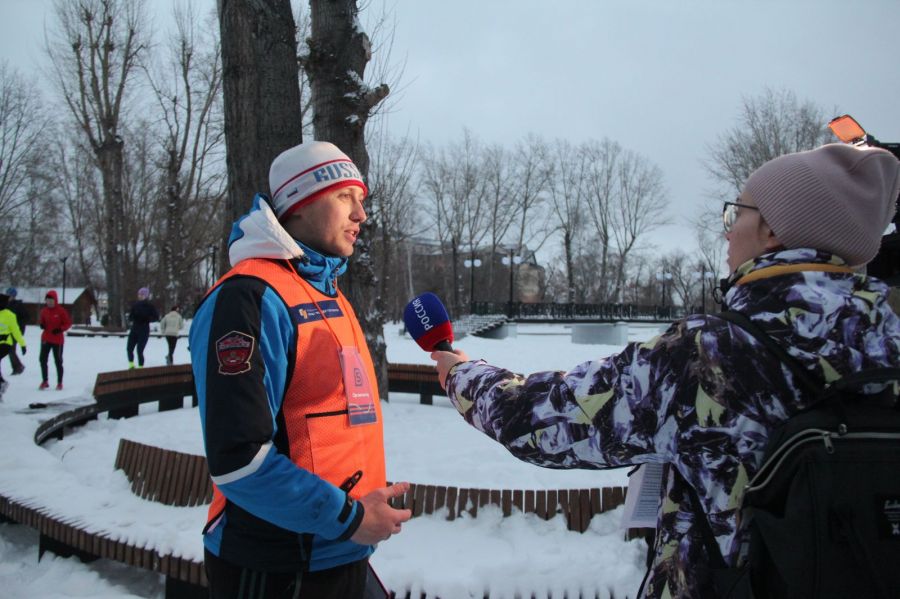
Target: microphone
(427, 321)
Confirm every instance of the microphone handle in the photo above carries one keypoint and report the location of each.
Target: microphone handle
(443, 346)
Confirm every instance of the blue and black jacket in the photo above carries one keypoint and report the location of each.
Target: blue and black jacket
(278, 517)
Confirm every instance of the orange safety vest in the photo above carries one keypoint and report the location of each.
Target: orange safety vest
(315, 406)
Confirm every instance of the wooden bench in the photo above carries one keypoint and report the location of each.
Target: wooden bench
(578, 506)
(183, 479)
(54, 428)
(95, 331)
(122, 391)
(185, 578)
(180, 479)
(415, 378)
(163, 475)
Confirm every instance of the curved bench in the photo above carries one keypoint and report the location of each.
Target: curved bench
(180, 479)
(163, 475)
(121, 392)
(66, 537)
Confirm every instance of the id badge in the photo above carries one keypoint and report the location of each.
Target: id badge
(360, 399)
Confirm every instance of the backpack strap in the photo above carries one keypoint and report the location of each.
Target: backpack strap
(858, 379)
(827, 392)
(717, 560)
(802, 376)
(706, 532)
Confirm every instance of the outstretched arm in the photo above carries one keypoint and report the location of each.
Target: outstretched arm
(601, 413)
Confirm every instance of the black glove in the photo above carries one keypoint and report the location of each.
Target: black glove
(56, 331)
(24, 350)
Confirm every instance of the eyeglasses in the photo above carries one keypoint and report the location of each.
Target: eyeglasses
(730, 213)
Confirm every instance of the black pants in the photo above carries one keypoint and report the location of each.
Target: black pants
(171, 340)
(57, 349)
(14, 360)
(137, 338)
(227, 581)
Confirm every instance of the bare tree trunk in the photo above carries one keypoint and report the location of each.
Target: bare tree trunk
(190, 102)
(173, 242)
(342, 103)
(99, 46)
(262, 97)
(567, 202)
(23, 144)
(641, 204)
(110, 158)
(391, 199)
(570, 267)
(75, 184)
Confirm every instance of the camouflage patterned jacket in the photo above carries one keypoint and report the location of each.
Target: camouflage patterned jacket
(701, 398)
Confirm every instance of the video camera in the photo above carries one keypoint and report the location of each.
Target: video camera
(886, 264)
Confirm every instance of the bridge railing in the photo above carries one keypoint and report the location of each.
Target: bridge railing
(522, 311)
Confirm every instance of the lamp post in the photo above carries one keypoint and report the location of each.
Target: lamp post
(511, 260)
(472, 264)
(664, 277)
(211, 273)
(64, 258)
(704, 275)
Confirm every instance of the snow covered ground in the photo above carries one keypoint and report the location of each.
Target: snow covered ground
(468, 557)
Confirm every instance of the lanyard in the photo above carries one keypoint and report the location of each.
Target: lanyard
(322, 312)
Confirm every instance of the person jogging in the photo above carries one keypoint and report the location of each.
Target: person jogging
(141, 314)
(54, 321)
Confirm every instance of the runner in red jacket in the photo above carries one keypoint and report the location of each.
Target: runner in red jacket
(54, 321)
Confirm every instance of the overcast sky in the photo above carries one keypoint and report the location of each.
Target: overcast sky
(664, 78)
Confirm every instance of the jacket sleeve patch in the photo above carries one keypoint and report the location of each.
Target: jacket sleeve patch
(233, 351)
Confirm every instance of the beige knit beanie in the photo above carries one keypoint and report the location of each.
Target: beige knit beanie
(837, 198)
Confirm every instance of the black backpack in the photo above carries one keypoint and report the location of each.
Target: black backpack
(823, 511)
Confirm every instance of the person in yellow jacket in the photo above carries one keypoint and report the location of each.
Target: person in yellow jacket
(9, 334)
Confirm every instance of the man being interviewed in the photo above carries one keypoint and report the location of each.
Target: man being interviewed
(287, 393)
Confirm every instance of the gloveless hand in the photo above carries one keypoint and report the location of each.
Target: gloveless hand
(380, 520)
(447, 360)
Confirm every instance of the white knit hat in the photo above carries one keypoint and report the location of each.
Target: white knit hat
(302, 173)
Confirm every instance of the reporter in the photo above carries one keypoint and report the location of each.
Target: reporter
(703, 397)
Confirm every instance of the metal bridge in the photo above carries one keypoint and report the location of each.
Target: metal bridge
(559, 312)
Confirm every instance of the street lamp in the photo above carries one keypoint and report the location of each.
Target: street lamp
(703, 275)
(664, 277)
(511, 260)
(212, 264)
(64, 258)
(472, 265)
